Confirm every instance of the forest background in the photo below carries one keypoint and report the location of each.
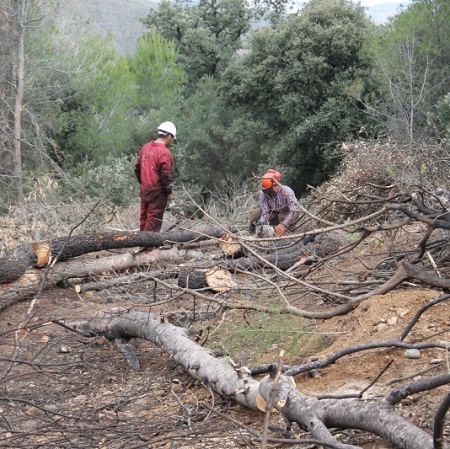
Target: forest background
(248, 87)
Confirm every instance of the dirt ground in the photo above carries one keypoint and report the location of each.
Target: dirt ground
(62, 390)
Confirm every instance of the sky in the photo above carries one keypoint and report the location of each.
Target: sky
(371, 3)
(381, 10)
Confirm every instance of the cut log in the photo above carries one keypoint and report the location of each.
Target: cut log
(13, 266)
(42, 250)
(377, 417)
(124, 280)
(216, 279)
(230, 246)
(30, 283)
(286, 257)
(219, 280)
(192, 278)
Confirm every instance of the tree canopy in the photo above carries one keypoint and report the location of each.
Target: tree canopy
(207, 33)
(284, 92)
(296, 81)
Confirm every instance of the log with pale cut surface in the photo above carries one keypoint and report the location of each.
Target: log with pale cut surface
(38, 254)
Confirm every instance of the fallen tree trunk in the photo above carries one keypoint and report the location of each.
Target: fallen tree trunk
(39, 254)
(283, 258)
(317, 416)
(128, 279)
(34, 280)
(174, 340)
(216, 279)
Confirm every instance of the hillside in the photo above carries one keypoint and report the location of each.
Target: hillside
(65, 389)
(120, 18)
(160, 405)
(381, 13)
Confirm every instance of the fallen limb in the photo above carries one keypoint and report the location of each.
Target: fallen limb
(321, 415)
(30, 283)
(317, 416)
(38, 254)
(123, 280)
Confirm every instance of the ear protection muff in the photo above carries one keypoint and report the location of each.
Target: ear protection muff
(266, 183)
(276, 174)
(268, 180)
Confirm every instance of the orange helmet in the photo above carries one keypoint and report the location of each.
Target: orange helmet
(268, 180)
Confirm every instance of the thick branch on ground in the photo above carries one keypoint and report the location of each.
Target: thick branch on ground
(30, 283)
(127, 279)
(320, 415)
(317, 416)
(287, 257)
(405, 271)
(39, 254)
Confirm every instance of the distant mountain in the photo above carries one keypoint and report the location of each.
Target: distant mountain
(380, 13)
(120, 18)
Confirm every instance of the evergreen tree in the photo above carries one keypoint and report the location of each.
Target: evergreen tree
(297, 83)
(207, 33)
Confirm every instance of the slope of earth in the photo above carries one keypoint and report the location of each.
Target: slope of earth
(385, 318)
(118, 19)
(73, 391)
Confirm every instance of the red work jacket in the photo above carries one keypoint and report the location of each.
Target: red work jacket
(154, 171)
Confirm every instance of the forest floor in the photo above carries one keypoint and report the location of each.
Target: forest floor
(79, 392)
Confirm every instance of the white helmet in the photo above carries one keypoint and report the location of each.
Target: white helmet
(168, 127)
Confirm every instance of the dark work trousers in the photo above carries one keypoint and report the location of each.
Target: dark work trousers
(152, 212)
(275, 218)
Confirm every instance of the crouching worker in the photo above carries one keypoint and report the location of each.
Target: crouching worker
(277, 205)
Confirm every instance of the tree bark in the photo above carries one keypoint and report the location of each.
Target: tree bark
(317, 416)
(14, 266)
(34, 280)
(22, 9)
(320, 415)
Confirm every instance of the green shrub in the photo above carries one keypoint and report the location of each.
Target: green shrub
(262, 336)
(113, 181)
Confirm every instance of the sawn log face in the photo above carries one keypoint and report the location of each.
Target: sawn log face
(13, 266)
(218, 374)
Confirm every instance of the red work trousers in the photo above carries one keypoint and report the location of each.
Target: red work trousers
(151, 217)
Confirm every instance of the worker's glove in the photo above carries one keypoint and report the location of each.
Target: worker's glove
(279, 230)
(170, 205)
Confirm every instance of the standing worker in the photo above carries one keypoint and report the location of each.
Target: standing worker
(153, 170)
(277, 204)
